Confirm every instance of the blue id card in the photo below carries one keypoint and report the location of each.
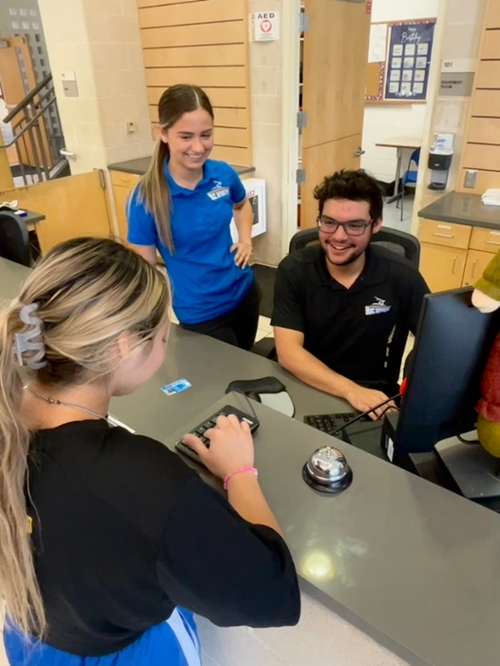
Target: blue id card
(176, 387)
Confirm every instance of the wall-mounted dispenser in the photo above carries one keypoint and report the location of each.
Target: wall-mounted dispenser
(440, 158)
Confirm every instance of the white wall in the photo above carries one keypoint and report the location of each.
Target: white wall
(385, 121)
(460, 38)
(266, 60)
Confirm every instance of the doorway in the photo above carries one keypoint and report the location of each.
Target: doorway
(331, 54)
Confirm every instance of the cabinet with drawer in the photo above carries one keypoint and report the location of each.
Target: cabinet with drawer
(455, 255)
(445, 233)
(474, 268)
(487, 240)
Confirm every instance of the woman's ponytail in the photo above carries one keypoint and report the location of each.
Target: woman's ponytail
(18, 584)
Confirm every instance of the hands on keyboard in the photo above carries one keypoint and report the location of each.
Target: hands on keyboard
(200, 430)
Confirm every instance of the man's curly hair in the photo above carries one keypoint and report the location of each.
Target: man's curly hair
(352, 185)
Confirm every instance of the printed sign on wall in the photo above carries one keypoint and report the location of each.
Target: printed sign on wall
(409, 60)
(265, 26)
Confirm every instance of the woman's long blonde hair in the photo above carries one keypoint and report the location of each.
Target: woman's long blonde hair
(88, 291)
(152, 190)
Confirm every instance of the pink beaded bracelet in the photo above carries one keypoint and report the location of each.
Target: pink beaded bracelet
(239, 471)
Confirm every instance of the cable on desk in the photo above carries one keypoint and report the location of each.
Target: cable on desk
(374, 409)
(247, 400)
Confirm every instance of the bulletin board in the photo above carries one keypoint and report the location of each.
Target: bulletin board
(399, 61)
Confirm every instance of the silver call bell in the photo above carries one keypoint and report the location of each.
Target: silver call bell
(327, 471)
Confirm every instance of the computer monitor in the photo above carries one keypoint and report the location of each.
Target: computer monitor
(452, 346)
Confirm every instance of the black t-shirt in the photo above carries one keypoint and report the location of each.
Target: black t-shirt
(124, 531)
(348, 329)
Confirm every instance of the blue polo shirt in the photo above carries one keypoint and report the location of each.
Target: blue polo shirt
(206, 281)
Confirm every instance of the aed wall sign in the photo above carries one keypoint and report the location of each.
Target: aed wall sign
(265, 26)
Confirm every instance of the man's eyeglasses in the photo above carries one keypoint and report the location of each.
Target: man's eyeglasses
(354, 228)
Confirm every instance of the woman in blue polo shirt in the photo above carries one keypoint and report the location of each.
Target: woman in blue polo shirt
(183, 208)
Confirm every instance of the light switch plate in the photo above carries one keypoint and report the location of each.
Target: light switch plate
(70, 89)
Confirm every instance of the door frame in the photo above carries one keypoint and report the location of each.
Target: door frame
(290, 27)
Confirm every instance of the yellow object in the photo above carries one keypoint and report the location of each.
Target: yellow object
(489, 284)
(488, 433)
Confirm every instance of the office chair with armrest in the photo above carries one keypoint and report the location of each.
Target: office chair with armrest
(14, 239)
(394, 240)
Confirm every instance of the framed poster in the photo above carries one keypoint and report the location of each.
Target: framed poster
(409, 60)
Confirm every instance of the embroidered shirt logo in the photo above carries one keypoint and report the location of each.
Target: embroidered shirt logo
(218, 192)
(379, 307)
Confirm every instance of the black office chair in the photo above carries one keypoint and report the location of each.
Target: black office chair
(14, 239)
(396, 241)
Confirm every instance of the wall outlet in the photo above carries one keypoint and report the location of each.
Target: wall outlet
(131, 126)
(470, 178)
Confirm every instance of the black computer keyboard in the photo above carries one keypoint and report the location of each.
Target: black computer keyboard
(329, 423)
(210, 423)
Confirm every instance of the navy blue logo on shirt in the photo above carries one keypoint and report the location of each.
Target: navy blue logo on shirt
(379, 307)
(218, 192)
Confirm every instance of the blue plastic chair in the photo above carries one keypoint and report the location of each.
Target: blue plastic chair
(410, 176)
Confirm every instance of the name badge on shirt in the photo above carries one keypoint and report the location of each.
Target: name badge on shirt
(218, 193)
(379, 307)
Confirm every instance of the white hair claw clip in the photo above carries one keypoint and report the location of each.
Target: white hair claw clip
(30, 339)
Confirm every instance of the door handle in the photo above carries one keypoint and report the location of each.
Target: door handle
(473, 275)
(454, 265)
(67, 153)
(360, 152)
(447, 236)
(492, 242)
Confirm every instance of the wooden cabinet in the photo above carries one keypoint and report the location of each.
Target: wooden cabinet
(455, 255)
(474, 268)
(487, 240)
(442, 267)
(123, 183)
(445, 233)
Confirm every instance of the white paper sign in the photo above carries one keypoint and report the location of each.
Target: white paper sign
(265, 26)
(378, 43)
(458, 65)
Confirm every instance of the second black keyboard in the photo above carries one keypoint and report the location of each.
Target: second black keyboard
(329, 423)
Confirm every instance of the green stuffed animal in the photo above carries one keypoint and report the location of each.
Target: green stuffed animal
(486, 298)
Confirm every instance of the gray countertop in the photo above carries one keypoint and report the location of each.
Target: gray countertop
(140, 166)
(31, 217)
(407, 562)
(412, 565)
(463, 209)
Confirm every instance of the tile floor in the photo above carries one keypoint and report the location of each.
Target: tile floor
(392, 215)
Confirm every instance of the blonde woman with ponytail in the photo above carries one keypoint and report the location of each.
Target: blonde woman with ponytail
(182, 208)
(108, 541)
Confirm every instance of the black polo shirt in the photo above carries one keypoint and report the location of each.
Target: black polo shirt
(348, 329)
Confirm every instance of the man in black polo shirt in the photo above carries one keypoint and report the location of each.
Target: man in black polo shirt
(336, 304)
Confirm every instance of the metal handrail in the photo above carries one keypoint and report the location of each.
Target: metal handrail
(36, 142)
(29, 98)
(28, 126)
